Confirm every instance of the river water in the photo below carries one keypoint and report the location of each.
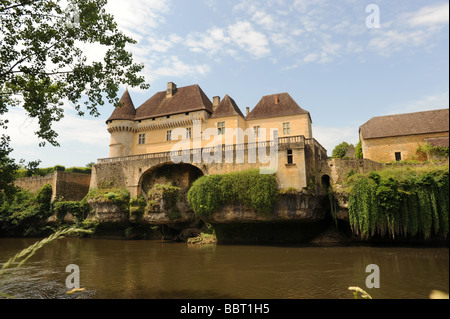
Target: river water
(153, 269)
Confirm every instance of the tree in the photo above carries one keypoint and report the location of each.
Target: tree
(340, 150)
(43, 65)
(358, 150)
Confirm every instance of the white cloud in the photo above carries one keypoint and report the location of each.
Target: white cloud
(247, 38)
(409, 30)
(428, 102)
(429, 16)
(174, 67)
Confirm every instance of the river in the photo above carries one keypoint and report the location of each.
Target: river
(152, 269)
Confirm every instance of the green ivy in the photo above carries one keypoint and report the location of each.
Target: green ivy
(400, 202)
(78, 209)
(255, 190)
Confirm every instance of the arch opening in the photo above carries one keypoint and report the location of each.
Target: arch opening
(179, 175)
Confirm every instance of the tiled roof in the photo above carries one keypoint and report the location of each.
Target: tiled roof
(274, 105)
(186, 99)
(406, 124)
(227, 107)
(126, 110)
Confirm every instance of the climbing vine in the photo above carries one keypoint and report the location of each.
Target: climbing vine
(399, 202)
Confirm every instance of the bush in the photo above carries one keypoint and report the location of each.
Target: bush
(255, 190)
(79, 210)
(25, 213)
(118, 196)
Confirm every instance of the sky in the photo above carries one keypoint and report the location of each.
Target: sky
(344, 61)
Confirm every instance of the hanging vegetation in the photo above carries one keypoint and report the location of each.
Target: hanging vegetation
(400, 202)
(255, 190)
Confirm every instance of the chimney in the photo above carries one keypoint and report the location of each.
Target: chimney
(276, 99)
(247, 109)
(171, 89)
(216, 102)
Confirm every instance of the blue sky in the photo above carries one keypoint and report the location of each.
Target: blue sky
(319, 51)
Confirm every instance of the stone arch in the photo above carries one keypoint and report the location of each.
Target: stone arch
(181, 175)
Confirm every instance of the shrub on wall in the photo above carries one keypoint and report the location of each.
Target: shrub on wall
(255, 190)
(79, 210)
(117, 196)
(400, 202)
(137, 207)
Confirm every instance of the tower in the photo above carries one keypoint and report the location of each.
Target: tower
(122, 127)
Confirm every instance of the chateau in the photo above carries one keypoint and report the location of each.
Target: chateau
(276, 133)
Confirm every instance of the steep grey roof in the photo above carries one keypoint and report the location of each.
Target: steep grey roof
(435, 121)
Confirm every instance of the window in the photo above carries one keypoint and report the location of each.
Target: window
(256, 130)
(168, 116)
(398, 156)
(187, 113)
(141, 138)
(275, 135)
(286, 128)
(169, 135)
(221, 128)
(188, 132)
(290, 157)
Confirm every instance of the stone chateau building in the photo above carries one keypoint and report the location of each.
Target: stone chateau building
(145, 138)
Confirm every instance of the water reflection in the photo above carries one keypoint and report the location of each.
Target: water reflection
(151, 269)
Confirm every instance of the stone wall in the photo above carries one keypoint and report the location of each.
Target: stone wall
(70, 186)
(384, 149)
(338, 169)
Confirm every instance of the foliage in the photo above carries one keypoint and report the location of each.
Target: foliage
(255, 190)
(358, 150)
(137, 207)
(24, 212)
(117, 196)
(78, 209)
(42, 59)
(340, 150)
(44, 198)
(358, 290)
(50, 170)
(288, 191)
(432, 151)
(7, 168)
(169, 194)
(400, 201)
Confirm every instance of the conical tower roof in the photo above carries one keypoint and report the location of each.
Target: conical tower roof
(126, 110)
